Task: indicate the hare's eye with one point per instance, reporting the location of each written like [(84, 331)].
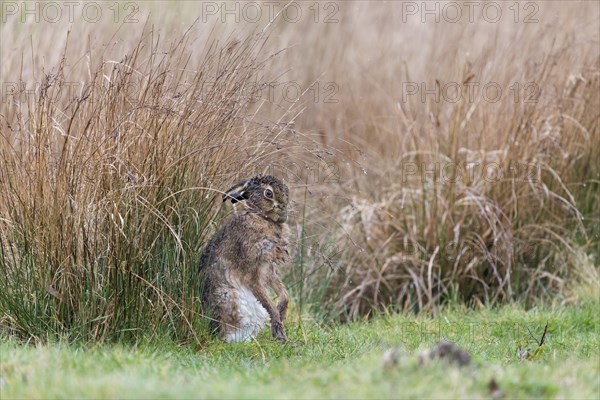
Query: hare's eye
[(268, 193)]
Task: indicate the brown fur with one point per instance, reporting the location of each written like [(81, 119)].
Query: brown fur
[(247, 251)]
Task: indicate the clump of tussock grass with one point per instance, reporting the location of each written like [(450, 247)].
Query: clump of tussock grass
[(106, 195), (407, 237)]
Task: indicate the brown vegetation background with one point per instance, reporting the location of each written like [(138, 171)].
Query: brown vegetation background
[(413, 185)]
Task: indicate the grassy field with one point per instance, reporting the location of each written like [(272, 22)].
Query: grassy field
[(340, 361), (411, 186), (444, 177)]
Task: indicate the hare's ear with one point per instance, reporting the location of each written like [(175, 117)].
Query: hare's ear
[(237, 192)]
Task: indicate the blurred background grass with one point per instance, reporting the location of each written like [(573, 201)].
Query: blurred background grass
[(413, 186)]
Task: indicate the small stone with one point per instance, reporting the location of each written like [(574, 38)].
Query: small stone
[(451, 353)]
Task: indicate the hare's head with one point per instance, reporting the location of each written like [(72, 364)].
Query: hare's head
[(265, 193)]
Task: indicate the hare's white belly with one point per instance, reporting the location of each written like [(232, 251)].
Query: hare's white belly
[(253, 316)]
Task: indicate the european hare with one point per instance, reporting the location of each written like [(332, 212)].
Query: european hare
[(240, 262)]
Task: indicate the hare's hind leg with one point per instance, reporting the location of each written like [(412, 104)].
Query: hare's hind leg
[(239, 314), (225, 312), (252, 317)]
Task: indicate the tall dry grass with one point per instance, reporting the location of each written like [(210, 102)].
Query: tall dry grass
[(476, 200), (108, 191)]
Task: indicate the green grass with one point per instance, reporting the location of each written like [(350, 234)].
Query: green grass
[(327, 361)]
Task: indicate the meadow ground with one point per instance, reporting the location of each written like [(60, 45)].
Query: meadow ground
[(340, 361), (438, 162)]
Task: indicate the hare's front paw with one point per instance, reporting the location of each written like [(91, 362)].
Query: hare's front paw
[(264, 248), (278, 331)]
